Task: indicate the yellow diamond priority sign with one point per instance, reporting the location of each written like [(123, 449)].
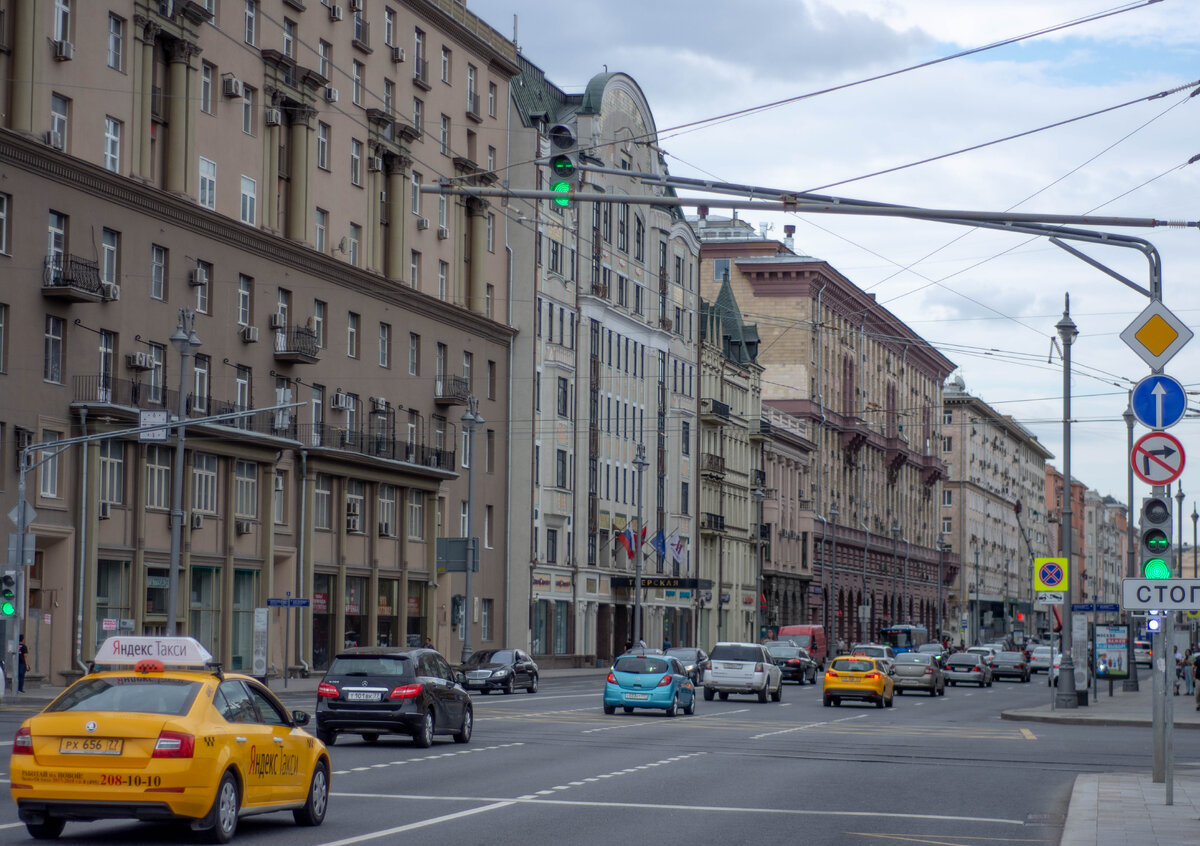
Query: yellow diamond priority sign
[(1156, 335)]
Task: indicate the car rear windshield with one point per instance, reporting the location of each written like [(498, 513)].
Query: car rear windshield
[(913, 658), (798, 639), (1010, 656), (371, 665), (735, 652), (868, 650), (136, 694), (785, 651), (642, 666), (490, 656), (850, 665), (965, 660)]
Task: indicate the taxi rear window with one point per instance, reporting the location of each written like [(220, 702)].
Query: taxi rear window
[(131, 694), (849, 665)]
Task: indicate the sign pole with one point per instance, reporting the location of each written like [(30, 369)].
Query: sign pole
[(287, 637)]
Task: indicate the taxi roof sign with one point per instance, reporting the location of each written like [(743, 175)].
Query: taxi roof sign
[(131, 649), (1156, 335)]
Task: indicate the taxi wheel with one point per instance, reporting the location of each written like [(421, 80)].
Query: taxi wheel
[(888, 702), (313, 812), (533, 684), (49, 829), (827, 700), (899, 691), (423, 737), (463, 735), (610, 709), (879, 701), (223, 817)]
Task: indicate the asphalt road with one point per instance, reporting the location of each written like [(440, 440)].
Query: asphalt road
[(551, 768)]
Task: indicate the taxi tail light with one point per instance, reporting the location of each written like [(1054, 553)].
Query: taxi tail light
[(612, 678), (664, 681), (872, 676), (325, 690), (830, 674), (174, 744), (23, 742), (406, 691)]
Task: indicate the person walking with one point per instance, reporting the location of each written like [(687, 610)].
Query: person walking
[(22, 663), (1189, 678)]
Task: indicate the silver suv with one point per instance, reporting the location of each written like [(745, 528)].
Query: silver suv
[(742, 668)]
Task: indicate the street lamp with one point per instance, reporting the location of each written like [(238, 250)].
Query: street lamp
[(1179, 511), (471, 421), (640, 463), (1195, 517), (759, 496), (895, 547), (185, 340), (1067, 332), (1131, 681), (941, 616), (831, 614)]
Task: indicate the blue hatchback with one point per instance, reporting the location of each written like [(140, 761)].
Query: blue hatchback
[(649, 681)]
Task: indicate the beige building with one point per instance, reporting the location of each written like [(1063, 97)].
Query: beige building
[(255, 167), (786, 518)]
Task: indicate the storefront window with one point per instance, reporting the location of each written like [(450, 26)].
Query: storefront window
[(388, 624), (356, 611), (245, 590), (541, 614), (322, 602), (112, 598), (157, 585), (561, 619), (416, 590), (205, 620)]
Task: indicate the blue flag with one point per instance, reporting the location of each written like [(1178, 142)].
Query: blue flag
[(660, 544)]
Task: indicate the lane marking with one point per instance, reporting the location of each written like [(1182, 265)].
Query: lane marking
[(810, 725), (643, 723), (400, 829), (1028, 734), (426, 758)]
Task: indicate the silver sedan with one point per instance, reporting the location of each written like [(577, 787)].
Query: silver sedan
[(919, 671), (969, 668)]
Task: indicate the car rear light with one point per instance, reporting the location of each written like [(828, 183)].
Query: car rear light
[(406, 691), (929, 671), (174, 744), (325, 690), (612, 678), (758, 668), (664, 681), (793, 662), (872, 676), (830, 674), (23, 742)]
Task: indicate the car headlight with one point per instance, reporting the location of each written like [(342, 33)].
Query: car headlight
[(499, 674)]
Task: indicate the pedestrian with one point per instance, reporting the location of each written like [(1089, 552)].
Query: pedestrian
[(1178, 669), (666, 644), (1189, 679), (428, 642), (1195, 671), (22, 663)]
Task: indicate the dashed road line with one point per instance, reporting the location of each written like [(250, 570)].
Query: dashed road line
[(426, 758), (627, 771), (808, 726), (683, 722)]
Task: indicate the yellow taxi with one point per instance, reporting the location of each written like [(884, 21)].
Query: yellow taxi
[(858, 677), (163, 734)]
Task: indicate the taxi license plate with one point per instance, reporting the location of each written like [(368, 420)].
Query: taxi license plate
[(90, 745), (852, 679), (637, 695), (362, 696)]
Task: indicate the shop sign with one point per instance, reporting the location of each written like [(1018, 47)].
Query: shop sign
[(414, 605), (320, 603), (541, 580), (562, 584), (352, 606)]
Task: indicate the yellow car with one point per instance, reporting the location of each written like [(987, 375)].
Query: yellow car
[(145, 742), (858, 677)]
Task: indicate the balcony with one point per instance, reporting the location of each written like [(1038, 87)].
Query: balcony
[(421, 73), (665, 324), (473, 107), (297, 345), (712, 465), (714, 410), (712, 523), (67, 277), (451, 390), (760, 429), (362, 33), (599, 289)]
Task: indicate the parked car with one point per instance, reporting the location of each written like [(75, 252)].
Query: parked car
[(500, 669), (374, 690), (969, 668), (1143, 652), (858, 677), (876, 650), (1010, 665), (1040, 660), (742, 668), (919, 671), (939, 652), (809, 637), (693, 659), (795, 663), (649, 681)]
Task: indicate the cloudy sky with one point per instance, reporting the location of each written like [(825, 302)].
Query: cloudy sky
[(988, 300)]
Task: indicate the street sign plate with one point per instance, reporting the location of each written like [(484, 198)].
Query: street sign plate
[(1051, 574), (1082, 607), (1161, 594), (1157, 458), (276, 602), (1107, 607), (1158, 401), (152, 418), (1156, 335), (1048, 598)]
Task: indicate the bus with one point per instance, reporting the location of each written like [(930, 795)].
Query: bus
[(904, 637)]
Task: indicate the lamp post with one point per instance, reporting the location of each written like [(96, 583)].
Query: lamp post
[(1067, 332), (759, 496), (471, 420), (976, 617), (184, 339), (832, 598), (1195, 517), (895, 611), (640, 463), (1179, 511), (1131, 681), (941, 616)]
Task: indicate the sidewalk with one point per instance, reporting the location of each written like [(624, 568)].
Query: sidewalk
[(1117, 809)]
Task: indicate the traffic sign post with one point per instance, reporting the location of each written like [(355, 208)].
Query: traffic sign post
[(287, 602), (1158, 401), (1157, 458)]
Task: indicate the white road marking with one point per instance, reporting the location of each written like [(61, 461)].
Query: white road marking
[(400, 829), (426, 758), (11, 825), (808, 726), (654, 723)]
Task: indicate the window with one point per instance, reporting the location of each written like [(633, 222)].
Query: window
[(158, 477), (415, 192), (446, 56), (245, 489), (110, 247), (416, 514), (486, 614), (551, 546), (414, 269), (323, 145), (947, 525), (488, 522), (491, 103), (251, 21), (204, 483), (443, 279), (684, 493), (947, 417), (241, 389), (443, 207), (158, 272), (116, 42), (355, 242), (49, 467), (387, 511), (385, 345), (472, 97), (356, 495), (247, 110), (444, 137), (60, 108), (356, 149), (245, 299), (489, 451), (325, 59), (200, 370), (389, 101), (208, 183), (249, 207), (322, 501), (352, 335), (947, 498), (356, 78), (62, 20), (322, 229), (203, 290), (491, 233), (414, 354), (4, 207), (491, 158), (419, 118), (564, 394), (948, 444), (318, 322), (491, 379), (389, 27), (560, 468), (686, 437), (112, 471), (468, 363), (207, 72), (289, 38)]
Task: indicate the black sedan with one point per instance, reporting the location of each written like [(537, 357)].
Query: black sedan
[(794, 663), (1011, 665), (375, 690), (500, 669), (693, 659)]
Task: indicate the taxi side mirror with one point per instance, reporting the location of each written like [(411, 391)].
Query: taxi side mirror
[(300, 718)]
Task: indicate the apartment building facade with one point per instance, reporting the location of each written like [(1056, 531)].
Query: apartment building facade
[(254, 172), (786, 518)]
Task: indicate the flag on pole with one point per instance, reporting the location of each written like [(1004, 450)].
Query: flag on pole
[(677, 547), (660, 544), (626, 539)]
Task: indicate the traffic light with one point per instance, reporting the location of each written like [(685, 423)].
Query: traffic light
[(1156, 537), (8, 594), (564, 176)]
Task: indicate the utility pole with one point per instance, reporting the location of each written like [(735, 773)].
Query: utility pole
[(1131, 681), (640, 462), (1066, 697), (471, 420), (833, 609), (184, 339)]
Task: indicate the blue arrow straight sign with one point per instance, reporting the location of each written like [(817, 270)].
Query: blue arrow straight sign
[(1158, 401)]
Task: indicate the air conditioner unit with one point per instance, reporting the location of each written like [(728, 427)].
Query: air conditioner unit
[(353, 522), (379, 403), (375, 164), (138, 361), (274, 117), (356, 5), (278, 320), (64, 51), (352, 509), (397, 54), (198, 276), (103, 511), (336, 13), (279, 483), (422, 223), (231, 86), (249, 334), (54, 139), (443, 233), (339, 401), (197, 520), (242, 527), (331, 94), (111, 291)]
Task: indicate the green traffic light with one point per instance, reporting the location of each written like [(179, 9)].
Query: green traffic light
[(1157, 540), (563, 189), (1156, 568), (7, 609)]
